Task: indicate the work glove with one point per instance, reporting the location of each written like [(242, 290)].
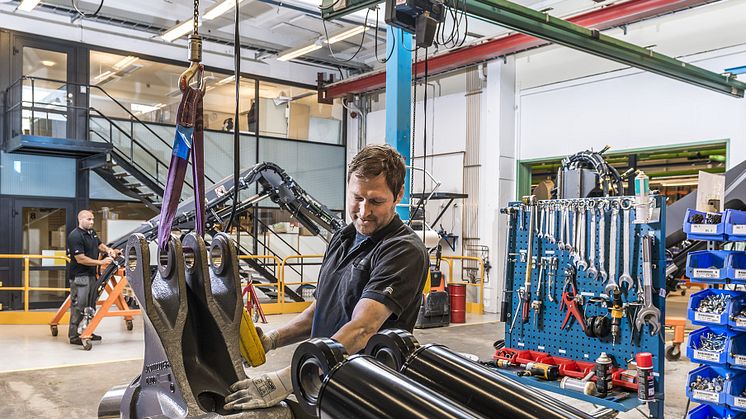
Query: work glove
[(269, 341), (260, 392)]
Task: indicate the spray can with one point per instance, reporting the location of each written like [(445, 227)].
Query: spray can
[(645, 377), (603, 374), (642, 198)]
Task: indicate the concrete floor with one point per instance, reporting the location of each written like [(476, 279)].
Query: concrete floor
[(42, 376)]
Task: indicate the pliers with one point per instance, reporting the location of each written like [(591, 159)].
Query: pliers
[(572, 301)]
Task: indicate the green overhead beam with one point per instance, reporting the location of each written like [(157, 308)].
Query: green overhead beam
[(559, 31)]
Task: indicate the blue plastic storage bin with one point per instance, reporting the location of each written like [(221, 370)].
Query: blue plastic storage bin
[(735, 399), (698, 231), (707, 411), (712, 320), (736, 267), (716, 358), (735, 224), (707, 266), (708, 372), (737, 352), (733, 323)]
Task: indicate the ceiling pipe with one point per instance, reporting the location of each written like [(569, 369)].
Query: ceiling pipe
[(604, 18)]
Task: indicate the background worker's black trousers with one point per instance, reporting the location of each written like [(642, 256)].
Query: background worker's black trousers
[(80, 289)]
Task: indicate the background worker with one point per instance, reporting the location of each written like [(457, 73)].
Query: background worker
[(83, 247), (371, 277)]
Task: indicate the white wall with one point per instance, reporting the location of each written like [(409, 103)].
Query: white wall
[(631, 109)]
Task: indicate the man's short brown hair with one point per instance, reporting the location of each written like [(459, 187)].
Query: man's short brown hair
[(373, 160)]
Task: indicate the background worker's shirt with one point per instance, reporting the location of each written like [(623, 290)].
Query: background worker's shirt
[(85, 242), (389, 267)]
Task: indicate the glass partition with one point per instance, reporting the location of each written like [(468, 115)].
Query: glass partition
[(150, 90), (294, 113)]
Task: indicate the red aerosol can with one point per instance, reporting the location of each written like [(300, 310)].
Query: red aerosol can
[(645, 377)]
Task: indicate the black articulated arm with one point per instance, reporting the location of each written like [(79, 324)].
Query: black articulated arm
[(272, 183)]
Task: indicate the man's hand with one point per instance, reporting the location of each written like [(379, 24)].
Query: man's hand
[(269, 341), (113, 253), (105, 261), (259, 392)]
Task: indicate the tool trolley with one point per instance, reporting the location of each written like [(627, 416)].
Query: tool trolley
[(719, 345), (583, 278)]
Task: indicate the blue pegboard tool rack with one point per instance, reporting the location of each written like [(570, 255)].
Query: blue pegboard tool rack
[(572, 342)]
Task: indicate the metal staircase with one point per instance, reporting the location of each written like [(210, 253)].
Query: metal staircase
[(133, 158)]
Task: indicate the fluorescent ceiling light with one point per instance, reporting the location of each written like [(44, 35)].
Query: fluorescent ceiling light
[(28, 5), (220, 9), (125, 62), (179, 30), (226, 80), (138, 108), (103, 76), (47, 63), (298, 52), (346, 34)]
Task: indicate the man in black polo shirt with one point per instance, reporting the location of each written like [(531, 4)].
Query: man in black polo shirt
[(83, 247), (371, 278)]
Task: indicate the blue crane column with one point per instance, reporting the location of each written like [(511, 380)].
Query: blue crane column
[(399, 104)]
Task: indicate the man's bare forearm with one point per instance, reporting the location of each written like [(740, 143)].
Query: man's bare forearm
[(298, 329), (354, 336), (85, 260)]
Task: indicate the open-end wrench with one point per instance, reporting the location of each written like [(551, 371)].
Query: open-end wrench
[(611, 284), (553, 265), (568, 238), (592, 272), (575, 232), (561, 242), (580, 262), (542, 223), (649, 313), (602, 244), (626, 278), (552, 211)]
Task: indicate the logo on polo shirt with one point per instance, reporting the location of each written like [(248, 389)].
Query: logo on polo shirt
[(388, 290)]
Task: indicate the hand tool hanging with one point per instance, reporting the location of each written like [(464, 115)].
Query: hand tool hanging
[(187, 140)]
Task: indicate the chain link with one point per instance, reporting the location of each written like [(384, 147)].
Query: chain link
[(196, 17)]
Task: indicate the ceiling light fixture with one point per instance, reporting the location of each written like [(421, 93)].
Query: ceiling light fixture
[(220, 9), (286, 56), (47, 63), (28, 5), (226, 80), (125, 62), (346, 34), (179, 30), (103, 76)]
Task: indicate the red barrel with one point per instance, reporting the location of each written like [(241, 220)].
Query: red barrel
[(458, 302)]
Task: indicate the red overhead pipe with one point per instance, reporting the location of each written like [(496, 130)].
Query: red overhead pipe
[(604, 18)]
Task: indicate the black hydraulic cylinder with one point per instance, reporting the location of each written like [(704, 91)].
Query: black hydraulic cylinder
[(361, 387), (469, 383)]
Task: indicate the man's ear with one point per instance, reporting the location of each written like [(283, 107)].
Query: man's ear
[(400, 195)]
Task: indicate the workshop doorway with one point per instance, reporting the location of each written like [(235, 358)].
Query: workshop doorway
[(672, 170), (40, 227)]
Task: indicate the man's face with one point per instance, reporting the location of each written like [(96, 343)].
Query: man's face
[(85, 221), (370, 203)]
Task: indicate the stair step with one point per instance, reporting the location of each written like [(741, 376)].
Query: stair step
[(121, 175), (133, 185)]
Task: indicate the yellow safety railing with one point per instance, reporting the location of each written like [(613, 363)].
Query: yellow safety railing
[(26, 288), (281, 307), (470, 307), (282, 272)]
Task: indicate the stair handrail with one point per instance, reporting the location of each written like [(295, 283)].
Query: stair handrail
[(90, 86)]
